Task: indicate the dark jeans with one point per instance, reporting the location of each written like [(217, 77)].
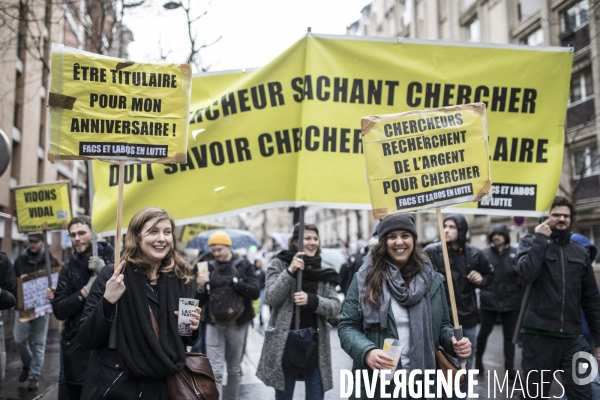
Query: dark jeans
[(550, 353), (63, 393), (509, 321), (74, 391), (312, 379)]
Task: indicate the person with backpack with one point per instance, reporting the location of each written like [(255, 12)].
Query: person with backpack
[(470, 270), (502, 298), (226, 297)]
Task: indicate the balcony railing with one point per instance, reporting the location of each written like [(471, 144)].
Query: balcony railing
[(581, 114), (578, 39)]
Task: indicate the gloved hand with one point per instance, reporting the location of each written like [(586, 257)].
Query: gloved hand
[(95, 264), (88, 287)]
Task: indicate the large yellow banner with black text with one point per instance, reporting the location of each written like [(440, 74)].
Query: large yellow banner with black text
[(289, 133)]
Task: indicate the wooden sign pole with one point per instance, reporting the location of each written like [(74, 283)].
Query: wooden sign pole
[(112, 339), (47, 254), (458, 334), (90, 181)]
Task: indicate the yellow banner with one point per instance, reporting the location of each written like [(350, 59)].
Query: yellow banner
[(425, 159), (110, 109), (43, 207), (289, 133), (190, 231)]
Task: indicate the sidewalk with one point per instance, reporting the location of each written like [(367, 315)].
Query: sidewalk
[(11, 388)]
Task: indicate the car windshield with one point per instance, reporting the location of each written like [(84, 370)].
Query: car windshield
[(333, 258)]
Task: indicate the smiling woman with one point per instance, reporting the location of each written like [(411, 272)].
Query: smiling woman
[(147, 284), (287, 353), (400, 297)]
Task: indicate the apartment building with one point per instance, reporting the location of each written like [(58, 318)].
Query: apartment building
[(572, 23), (28, 29)]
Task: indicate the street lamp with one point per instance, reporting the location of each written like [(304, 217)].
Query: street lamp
[(171, 5)]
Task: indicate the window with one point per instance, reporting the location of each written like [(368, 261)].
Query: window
[(586, 162), (534, 39), (527, 8), (473, 32), (581, 87), (467, 3), (406, 13), (574, 17)]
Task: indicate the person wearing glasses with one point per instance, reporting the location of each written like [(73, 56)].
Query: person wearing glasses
[(30, 336), (562, 281), (68, 300)]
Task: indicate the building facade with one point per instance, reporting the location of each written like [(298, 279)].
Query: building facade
[(572, 23), (28, 29)]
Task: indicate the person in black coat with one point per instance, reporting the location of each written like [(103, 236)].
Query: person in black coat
[(225, 339), (501, 298), (68, 299), (30, 336), (470, 270), (147, 284), (8, 283), (562, 282)]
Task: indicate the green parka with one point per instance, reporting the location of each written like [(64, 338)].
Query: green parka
[(357, 342)]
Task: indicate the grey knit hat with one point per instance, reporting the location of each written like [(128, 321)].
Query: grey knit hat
[(403, 222)]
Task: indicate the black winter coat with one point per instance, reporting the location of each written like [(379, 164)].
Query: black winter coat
[(248, 287), (562, 281), (68, 306), (105, 378), (29, 262), (505, 293), (8, 283), (466, 298)]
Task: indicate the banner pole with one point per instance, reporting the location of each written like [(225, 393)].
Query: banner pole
[(119, 213), (299, 272), (47, 255), (112, 339), (90, 182), (457, 328)]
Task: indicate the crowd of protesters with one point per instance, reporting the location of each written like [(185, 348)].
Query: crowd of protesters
[(393, 290)]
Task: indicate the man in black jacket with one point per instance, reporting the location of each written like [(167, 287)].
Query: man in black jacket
[(74, 284), (562, 281), (8, 283), (225, 340), (470, 270), (501, 298), (30, 336)]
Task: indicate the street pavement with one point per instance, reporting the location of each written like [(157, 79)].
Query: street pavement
[(251, 388)]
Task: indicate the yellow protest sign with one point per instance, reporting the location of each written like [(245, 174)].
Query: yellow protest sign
[(190, 231), (289, 133), (425, 159), (111, 109), (43, 207)]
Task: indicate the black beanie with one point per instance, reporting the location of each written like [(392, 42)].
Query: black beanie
[(404, 222)]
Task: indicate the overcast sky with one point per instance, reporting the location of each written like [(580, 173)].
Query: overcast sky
[(253, 31)]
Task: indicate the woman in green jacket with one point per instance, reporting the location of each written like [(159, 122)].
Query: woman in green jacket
[(397, 294)]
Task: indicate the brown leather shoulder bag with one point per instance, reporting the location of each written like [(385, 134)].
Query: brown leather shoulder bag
[(196, 381)]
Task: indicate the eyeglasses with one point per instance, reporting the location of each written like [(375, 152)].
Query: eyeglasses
[(558, 215)]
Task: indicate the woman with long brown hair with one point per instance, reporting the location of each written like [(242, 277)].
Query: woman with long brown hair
[(147, 284), (396, 294), (288, 353)]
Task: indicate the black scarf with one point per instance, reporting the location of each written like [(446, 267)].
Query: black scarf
[(141, 353), (312, 268)]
